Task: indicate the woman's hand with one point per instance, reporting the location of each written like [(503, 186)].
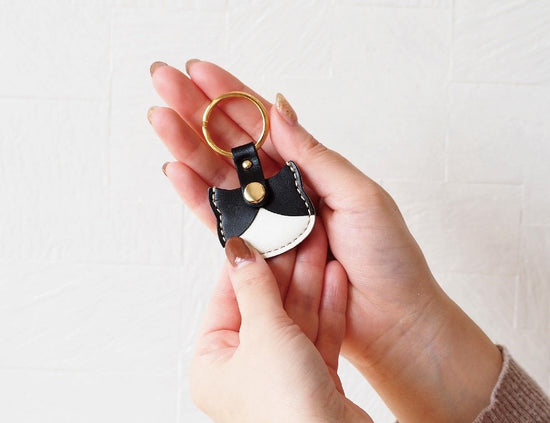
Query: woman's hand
[(428, 360), (254, 364)]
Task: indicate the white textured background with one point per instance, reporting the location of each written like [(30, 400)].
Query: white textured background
[(104, 274)]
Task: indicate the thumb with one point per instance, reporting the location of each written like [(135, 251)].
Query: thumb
[(327, 172), (253, 281)]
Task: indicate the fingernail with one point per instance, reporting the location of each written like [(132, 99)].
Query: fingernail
[(155, 66), (237, 252), (285, 109), (189, 63), (164, 166), (150, 113)]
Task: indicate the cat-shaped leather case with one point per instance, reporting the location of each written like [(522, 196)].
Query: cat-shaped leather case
[(273, 215)]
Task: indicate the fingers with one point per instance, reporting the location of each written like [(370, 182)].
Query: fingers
[(304, 293), (254, 284), (214, 81), (326, 171), (187, 147), (354, 413), (332, 314), (282, 267), (182, 95), (219, 331), (222, 312), (193, 191), (189, 101), (333, 177)]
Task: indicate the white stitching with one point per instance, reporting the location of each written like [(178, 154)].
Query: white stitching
[(301, 196), (219, 211), (308, 212)]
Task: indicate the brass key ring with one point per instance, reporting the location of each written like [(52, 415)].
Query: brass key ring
[(206, 115)]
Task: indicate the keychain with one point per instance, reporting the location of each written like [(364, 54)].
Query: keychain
[(273, 215)]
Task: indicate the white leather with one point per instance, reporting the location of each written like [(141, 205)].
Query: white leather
[(272, 234)]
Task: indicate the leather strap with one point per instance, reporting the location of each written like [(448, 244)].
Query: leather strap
[(254, 173)]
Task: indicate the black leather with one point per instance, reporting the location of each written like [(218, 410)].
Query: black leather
[(233, 214), (286, 196), (252, 174)]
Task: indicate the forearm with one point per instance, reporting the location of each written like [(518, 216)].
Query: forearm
[(443, 368)]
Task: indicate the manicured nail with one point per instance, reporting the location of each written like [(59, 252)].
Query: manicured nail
[(285, 109), (189, 63), (164, 166), (155, 66), (237, 252), (150, 113)]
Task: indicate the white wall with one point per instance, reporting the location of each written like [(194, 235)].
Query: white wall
[(104, 274)]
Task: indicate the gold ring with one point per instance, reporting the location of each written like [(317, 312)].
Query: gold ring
[(206, 115)]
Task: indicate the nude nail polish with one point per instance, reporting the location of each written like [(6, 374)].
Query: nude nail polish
[(155, 66), (285, 109), (238, 252), (189, 63), (164, 166), (150, 114)]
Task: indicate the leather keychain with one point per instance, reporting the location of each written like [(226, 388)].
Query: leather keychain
[(273, 215)]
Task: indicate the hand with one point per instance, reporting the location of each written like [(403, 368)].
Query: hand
[(254, 364), (426, 358), (198, 167)]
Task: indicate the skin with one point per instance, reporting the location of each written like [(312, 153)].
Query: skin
[(424, 356), (239, 374)]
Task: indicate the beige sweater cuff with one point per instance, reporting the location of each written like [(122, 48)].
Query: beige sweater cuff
[(516, 397)]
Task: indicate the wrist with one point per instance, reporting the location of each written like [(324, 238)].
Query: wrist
[(467, 366), (441, 368)]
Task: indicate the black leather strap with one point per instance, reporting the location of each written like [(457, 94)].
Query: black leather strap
[(254, 173)]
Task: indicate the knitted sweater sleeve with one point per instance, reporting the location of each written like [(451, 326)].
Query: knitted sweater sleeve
[(516, 397)]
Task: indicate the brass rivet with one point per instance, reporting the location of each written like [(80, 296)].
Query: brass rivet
[(254, 192), (246, 164)]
